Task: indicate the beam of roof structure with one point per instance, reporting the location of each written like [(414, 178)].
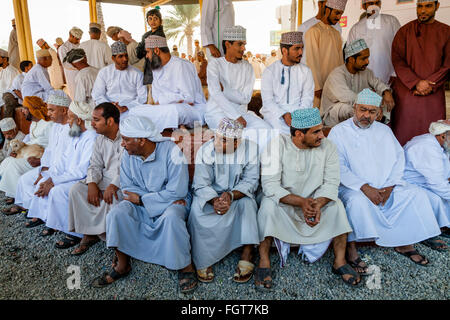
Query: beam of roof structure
[(146, 3)]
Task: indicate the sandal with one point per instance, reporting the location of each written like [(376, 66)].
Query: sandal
[(244, 271), (83, 247), (204, 276), (435, 244), (47, 232), (260, 283), (33, 224), (102, 281), (347, 269), (67, 242), (356, 264), (10, 201), (446, 233), (187, 281), (12, 210), (412, 253)]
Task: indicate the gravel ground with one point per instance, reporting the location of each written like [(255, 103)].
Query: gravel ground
[(31, 268)]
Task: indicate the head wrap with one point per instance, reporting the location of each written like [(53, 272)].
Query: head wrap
[(118, 47), (126, 35), (336, 4), (229, 128), (140, 127), (94, 25), (75, 55), (59, 42), (112, 31), (306, 118), (235, 33), (59, 98), (7, 124), (40, 42), (83, 111), (291, 38), (436, 128), (355, 47), (155, 42), (3, 53), (36, 106), (368, 97), (76, 32), (42, 53), (365, 1), (422, 1)]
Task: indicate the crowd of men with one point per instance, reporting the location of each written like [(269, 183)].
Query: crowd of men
[(111, 173)]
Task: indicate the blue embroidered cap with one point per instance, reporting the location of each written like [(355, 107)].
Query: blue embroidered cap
[(368, 97), (306, 118), (355, 47)]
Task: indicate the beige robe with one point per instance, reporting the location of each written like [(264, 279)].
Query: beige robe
[(55, 71), (104, 169), (323, 45), (314, 173), (13, 49), (133, 60)]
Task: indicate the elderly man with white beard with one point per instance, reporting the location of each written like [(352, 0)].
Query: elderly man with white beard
[(381, 206), (50, 202)]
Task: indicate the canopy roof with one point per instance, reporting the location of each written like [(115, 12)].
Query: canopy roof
[(144, 3)]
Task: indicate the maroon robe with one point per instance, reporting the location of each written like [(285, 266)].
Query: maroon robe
[(419, 52)]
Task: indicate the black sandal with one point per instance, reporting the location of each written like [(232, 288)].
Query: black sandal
[(67, 242), (260, 283), (412, 253), (33, 224), (12, 210), (435, 244), (347, 269), (357, 264), (47, 232), (102, 282), (188, 285), (10, 201)]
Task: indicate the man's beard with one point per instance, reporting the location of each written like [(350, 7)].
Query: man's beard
[(29, 117), (75, 130), (155, 62), (362, 126)]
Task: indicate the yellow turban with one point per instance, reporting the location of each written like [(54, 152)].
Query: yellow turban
[(37, 107)]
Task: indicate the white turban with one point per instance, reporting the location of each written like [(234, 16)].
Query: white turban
[(140, 127), (83, 111), (7, 124), (439, 127), (76, 32)]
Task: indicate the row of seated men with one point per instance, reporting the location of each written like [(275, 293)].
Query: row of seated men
[(123, 182)]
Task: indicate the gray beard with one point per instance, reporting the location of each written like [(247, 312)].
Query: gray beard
[(75, 131)]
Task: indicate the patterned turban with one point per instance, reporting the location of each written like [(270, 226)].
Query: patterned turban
[(40, 42), (83, 111), (355, 47), (59, 98), (37, 107), (306, 118), (59, 41), (291, 38), (436, 128), (336, 4), (76, 32), (118, 47), (369, 97), (140, 127), (155, 42), (422, 1), (235, 33), (75, 55), (43, 53), (94, 25), (112, 31), (229, 128)]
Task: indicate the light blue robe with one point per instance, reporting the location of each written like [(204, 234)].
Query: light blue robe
[(155, 232), (214, 236)]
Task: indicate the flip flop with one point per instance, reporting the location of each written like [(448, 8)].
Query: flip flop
[(101, 282), (347, 269), (357, 264), (204, 276), (47, 232), (12, 210), (260, 283), (435, 244), (10, 201), (244, 271), (190, 278), (412, 253), (67, 242), (83, 247), (33, 224)]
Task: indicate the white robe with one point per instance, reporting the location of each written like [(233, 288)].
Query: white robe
[(373, 156), (378, 34), (305, 27), (123, 86), (216, 16), (84, 83), (17, 85), (69, 70), (175, 81), (7, 76), (72, 167), (12, 168), (98, 53), (37, 83), (237, 80), (297, 92)]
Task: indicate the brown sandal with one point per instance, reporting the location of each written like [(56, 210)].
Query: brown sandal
[(244, 271), (204, 276)]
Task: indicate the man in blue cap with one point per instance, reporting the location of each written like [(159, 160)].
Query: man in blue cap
[(300, 180)]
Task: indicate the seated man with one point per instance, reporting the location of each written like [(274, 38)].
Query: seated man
[(223, 212), (150, 223), (230, 86), (85, 78), (176, 89), (286, 84), (92, 198), (13, 98), (119, 83), (345, 82), (300, 179), (10, 132), (428, 166), (11, 168), (380, 205), (58, 107), (51, 199), (37, 80)]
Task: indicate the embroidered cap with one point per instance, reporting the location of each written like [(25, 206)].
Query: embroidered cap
[(355, 47), (306, 118), (118, 47), (59, 98), (369, 97), (235, 33), (229, 128), (291, 38), (336, 4), (155, 42)]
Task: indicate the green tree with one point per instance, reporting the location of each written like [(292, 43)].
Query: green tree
[(181, 23)]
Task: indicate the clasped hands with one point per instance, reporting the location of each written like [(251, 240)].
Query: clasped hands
[(95, 194), (377, 196), (222, 204), (423, 88)]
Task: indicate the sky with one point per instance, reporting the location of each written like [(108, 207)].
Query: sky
[(54, 18)]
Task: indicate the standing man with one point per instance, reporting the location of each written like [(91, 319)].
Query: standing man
[(216, 16), (55, 70), (113, 32), (324, 46), (13, 46), (70, 72), (98, 52), (287, 84), (421, 59), (305, 26), (7, 75), (378, 31), (37, 81)]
